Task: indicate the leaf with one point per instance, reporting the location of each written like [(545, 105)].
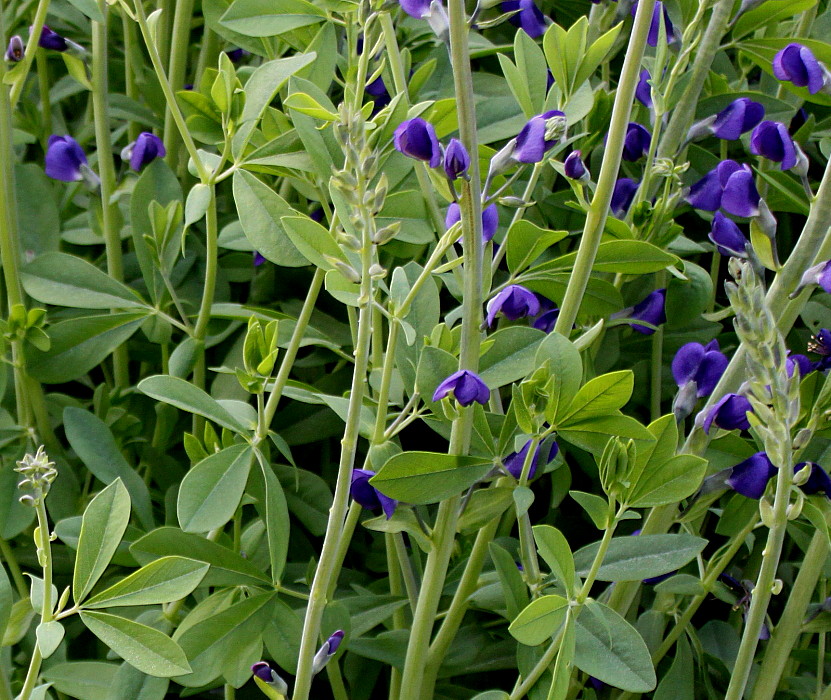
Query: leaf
[(513, 587), (227, 568), (95, 445), (262, 18), (566, 369), (428, 477), (625, 257), (86, 680), (49, 637), (540, 620), (554, 549), (6, 601), (636, 557), (147, 649), (511, 356), (662, 484), (260, 209), (102, 527), (306, 104), (211, 491), (161, 581), (526, 242), (67, 280), (593, 434), (274, 511), (599, 397), (197, 203), (596, 507), (90, 9), (679, 682), (313, 241), (748, 22), (188, 397), (595, 55), (610, 649)]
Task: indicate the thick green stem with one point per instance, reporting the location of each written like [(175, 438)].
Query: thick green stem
[(787, 631), (128, 31), (596, 218), (176, 72), (106, 171), (43, 93), (763, 589)]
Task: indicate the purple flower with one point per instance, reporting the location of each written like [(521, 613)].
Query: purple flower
[(417, 139), (750, 477), (65, 159), (729, 186), (651, 310), (574, 167), (729, 413), (818, 481), (819, 275), (821, 345), (772, 141), (327, 651), (456, 160), (636, 142), (146, 148), (52, 40), (623, 195), (529, 18), (367, 495), (800, 363), (259, 258), (431, 10), (490, 219), (546, 321), (236, 55), (514, 461), (643, 91), (262, 670), (728, 237), (466, 387), (700, 364), (797, 64), (15, 50), (513, 302), (654, 27), (739, 116), (377, 88), (416, 8), (535, 138)]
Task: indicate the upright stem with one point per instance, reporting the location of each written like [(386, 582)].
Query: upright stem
[(128, 31), (596, 217), (43, 92), (31, 48), (176, 73), (414, 685), (106, 171), (790, 623)]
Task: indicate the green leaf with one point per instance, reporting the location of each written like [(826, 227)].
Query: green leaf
[(622, 256), (49, 637), (511, 356), (86, 680), (211, 491), (80, 344), (771, 12), (227, 568), (161, 581), (428, 477), (274, 511), (610, 649), (596, 507), (197, 203), (593, 434), (263, 18), (147, 649), (308, 105), (601, 396), (6, 601), (483, 506), (513, 587), (103, 525), (540, 620), (566, 370), (313, 241), (553, 548), (188, 397), (90, 9), (526, 242), (595, 55), (20, 619), (260, 210), (679, 682), (66, 280), (636, 557), (95, 445)]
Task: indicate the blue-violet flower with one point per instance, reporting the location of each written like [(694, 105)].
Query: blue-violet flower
[(466, 387), (417, 139), (513, 302)]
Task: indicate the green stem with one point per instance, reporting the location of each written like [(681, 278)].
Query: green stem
[(541, 666), (596, 217), (177, 69), (657, 366), (14, 569), (291, 351), (106, 171), (410, 583), (211, 253), (762, 591), (787, 631), (130, 84), (598, 558), (43, 92), (31, 48)]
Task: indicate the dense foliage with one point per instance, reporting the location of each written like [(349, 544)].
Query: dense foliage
[(410, 350)]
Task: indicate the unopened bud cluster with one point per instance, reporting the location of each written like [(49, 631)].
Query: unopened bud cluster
[(38, 474)]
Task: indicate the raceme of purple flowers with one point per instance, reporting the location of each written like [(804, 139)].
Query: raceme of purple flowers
[(727, 236), (65, 159), (367, 495), (729, 413), (490, 219), (466, 387), (527, 17), (514, 461), (699, 364), (797, 64), (146, 148), (513, 302), (729, 186)]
